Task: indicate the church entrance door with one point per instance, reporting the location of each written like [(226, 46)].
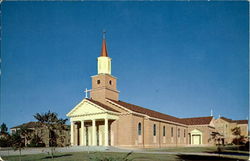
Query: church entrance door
[(196, 139)]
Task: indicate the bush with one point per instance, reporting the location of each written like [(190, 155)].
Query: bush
[(36, 145), (245, 147), (4, 142), (239, 141), (36, 141)]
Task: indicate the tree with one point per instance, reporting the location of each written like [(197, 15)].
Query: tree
[(3, 129), (36, 141), (51, 121), (217, 138), (239, 139), (17, 142), (4, 136), (26, 133)]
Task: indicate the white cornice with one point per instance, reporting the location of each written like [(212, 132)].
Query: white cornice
[(105, 74), (86, 100)]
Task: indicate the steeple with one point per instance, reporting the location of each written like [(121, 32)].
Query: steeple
[(104, 48), (104, 62), (104, 84)]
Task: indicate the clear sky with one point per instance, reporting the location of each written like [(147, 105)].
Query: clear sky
[(179, 58)]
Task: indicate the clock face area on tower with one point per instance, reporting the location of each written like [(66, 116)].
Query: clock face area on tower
[(104, 80)]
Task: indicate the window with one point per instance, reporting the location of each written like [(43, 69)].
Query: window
[(172, 131), (154, 130), (98, 81), (110, 82), (179, 133), (184, 133), (164, 131), (139, 128), (13, 131)]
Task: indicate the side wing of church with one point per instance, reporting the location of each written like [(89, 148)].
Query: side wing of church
[(104, 120)]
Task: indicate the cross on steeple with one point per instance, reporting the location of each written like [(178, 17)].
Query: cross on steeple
[(104, 34), (86, 92)]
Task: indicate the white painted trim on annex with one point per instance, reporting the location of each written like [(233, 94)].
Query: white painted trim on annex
[(196, 132)]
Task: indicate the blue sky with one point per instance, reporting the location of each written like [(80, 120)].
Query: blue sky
[(179, 58)]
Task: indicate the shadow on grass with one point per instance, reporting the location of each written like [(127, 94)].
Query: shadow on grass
[(205, 158), (57, 156), (238, 153)]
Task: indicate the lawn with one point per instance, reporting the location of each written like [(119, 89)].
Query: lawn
[(84, 156), (185, 149), (209, 149)]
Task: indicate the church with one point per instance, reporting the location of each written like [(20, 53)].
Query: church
[(104, 120)]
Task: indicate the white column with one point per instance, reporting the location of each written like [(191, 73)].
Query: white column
[(106, 133), (93, 133), (82, 133), (72, 133), (191, 139)]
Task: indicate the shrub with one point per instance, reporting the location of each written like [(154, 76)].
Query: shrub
[(245, 147), (4, 142), (36, 141), (36, 145)]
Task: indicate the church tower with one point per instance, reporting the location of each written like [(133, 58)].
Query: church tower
[(104, 84)]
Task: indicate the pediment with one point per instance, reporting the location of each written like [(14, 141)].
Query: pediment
[(212, 123), (85, 108), (196, 131)]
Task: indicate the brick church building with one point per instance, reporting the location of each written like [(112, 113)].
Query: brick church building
[(104, 120)]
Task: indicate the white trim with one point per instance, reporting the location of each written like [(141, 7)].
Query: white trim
[(86, 100), (98, 88), (104, 74)]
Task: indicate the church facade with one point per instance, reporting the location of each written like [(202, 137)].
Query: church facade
[(104, 120)]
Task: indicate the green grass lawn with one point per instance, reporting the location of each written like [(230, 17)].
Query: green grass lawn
[(209, 149), (84, 156), (185, 149)]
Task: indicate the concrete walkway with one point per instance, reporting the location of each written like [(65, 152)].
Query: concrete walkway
[(9, 151)]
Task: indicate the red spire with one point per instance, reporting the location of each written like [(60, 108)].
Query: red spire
[(104, 48)]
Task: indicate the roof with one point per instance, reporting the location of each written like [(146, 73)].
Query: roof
[(102, 105), (148, 112), (198, 120), (226, 119), (28, 125), (235, 121), (241, 121)]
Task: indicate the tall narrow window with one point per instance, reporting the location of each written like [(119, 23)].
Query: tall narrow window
[(139, 128), (164, 131), (154, 130), (184, 133), (178, 133), (172, 131)]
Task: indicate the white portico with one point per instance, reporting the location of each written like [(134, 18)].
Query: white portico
[(90, 124)]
